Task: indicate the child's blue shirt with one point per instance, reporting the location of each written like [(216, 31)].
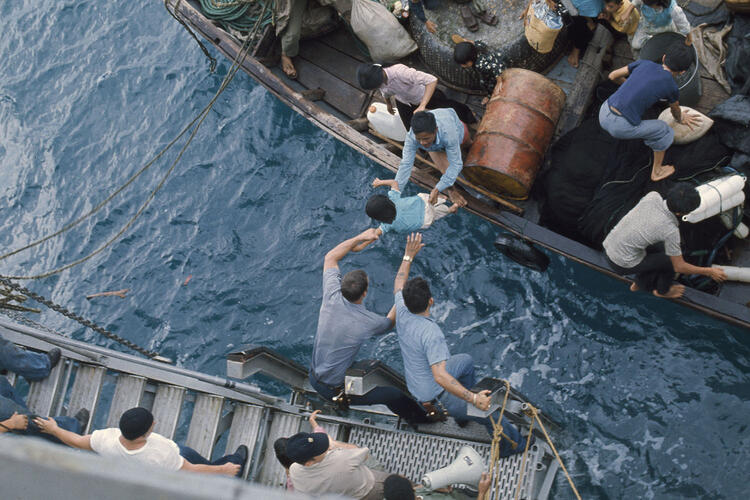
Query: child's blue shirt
[(648, 82), (409, 213)]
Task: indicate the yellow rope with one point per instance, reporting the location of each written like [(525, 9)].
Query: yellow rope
[(198, 120), (554, 450), (497, 436)]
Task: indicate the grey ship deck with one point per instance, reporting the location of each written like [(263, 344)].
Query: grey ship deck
[(220, 414)]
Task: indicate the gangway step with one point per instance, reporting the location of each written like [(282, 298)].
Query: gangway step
[(167, 408), (42, 394), (86, 390), (128, 394), (282, 425), (204, 424), (246, 424)]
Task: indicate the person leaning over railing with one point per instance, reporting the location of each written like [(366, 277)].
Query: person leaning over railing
[(135, 440)]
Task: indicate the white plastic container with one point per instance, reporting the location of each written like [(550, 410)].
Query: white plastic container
[(385, 123), (717, 196), (736, 273), (741, 231)]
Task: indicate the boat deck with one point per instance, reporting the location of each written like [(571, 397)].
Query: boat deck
[(326, 93), (215, 415)]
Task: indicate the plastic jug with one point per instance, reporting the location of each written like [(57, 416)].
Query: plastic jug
[(736, 273), (385, 123)]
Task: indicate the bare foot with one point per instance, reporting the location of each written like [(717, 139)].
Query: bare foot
[(674, 292), (573, 57), (453, 208), (661, 173), (634, 287), (288, 67)]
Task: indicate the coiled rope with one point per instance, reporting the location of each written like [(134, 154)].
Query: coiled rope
[(498, 435), (239, 15)]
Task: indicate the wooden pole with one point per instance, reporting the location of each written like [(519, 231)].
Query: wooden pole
[(511, 206)]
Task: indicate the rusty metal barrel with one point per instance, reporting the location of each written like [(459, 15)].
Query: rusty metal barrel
[(514, 133)]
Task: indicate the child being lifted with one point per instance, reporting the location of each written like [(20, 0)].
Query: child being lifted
[(405, 214)]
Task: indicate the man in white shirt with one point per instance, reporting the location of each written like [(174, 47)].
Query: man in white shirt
[(135, 439), (318, 470)]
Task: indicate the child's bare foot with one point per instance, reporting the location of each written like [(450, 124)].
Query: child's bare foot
[(674, 292), (573, 57), (453, 208), (634, 287), (288, 67), (661, 173)]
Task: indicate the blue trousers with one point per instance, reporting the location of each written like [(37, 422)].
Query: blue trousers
[(655, 133), (67, 423), (399, 403), (461, 367), (30, 365), (196, 458)]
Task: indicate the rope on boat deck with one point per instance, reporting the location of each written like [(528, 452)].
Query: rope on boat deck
[(498, 435), (212, 59), (195, 124)]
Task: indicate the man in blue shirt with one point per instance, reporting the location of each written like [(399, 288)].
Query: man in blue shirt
[(434, 377), (344, 324), (441, 133), (647, 83)]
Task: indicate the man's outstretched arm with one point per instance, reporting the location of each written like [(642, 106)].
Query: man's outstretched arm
[(339, 251), (413, 246), (49, 426)]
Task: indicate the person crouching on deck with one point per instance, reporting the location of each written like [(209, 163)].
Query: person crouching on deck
[(413, 91), (404, 214), (487, 63), (648, 82), (646, 242), (442, 134)]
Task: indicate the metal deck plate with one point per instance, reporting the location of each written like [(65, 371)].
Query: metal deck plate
[(412, 455)]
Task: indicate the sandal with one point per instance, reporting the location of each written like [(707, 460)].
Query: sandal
[(469, 20)]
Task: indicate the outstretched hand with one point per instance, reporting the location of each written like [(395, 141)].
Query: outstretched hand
[(690, 120), (370, 234), (717, 274), (413, 244), (313, 421), (46, 425)]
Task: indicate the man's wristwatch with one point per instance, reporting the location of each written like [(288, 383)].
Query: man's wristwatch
[(407, 258)]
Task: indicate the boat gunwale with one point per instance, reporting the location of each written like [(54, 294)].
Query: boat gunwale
[(712, 305)]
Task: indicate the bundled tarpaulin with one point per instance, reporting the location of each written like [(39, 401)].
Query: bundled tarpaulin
[(593, 180), (738, 56), (378, 29), (711, 47), (732, 123)]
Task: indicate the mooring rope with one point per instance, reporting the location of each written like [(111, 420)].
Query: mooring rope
[(197, 121)]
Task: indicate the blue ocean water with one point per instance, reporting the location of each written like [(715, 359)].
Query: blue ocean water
[(653, 398)]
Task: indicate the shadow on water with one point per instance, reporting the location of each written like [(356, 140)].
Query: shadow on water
[(652, 396)]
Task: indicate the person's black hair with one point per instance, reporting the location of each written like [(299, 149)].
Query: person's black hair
[(682, 198), (417, 295), (618, 2), (135, 423), (354, 285), (679, 56), (397, 487), (423, 121), (381, 208), (279, 448), (657, 3), (464, 52), (370, 76)]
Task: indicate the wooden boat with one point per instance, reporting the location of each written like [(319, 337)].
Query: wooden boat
[(327, 94)]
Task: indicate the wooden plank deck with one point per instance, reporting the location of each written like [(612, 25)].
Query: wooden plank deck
[(42, 394), (86, 390), (246, 424), (204, 424), (283, 425)]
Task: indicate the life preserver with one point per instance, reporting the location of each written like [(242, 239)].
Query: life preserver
[(522, 252)]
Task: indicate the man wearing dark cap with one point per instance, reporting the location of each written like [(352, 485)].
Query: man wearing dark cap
[(134, 440), (317, 470)]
